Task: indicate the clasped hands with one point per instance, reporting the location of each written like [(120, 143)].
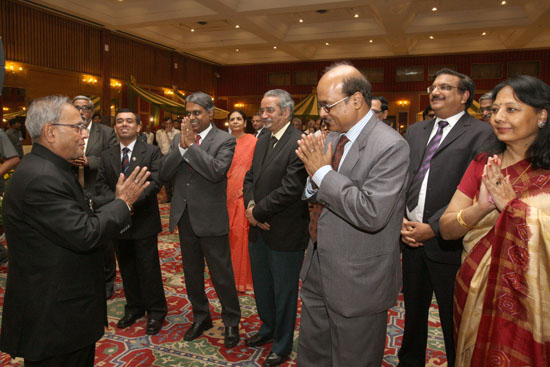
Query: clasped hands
[(311, 151), (253, 222), (496, 191), (130, 188), (187, 135), (80, 162)]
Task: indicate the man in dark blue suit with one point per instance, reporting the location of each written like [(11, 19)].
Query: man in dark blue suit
[(136, 248)]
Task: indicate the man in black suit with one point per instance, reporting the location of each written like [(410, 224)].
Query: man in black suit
[(273, 189), (198, 161), (100, 138), (441, 150), (54, 307), (136, 248)]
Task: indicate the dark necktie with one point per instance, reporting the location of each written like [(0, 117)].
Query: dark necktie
[(416, 184), (318, 208), (272, 141), (125, 160)]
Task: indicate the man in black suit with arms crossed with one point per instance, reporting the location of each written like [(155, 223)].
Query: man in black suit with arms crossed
[(136, 247)]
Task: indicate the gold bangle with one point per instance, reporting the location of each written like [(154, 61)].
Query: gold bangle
[(461, 221)]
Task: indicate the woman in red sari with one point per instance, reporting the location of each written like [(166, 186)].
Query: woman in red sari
[(238, 224), (502, 208)]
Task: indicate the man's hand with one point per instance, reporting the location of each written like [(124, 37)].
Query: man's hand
[(310, 151), (80, 162), (187, 136), (415, 233), (129, 189), (253, 222)]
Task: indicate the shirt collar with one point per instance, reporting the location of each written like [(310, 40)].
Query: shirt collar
[(451, 120), (129, 146), (205, 132), (279, 134), (356, 129)]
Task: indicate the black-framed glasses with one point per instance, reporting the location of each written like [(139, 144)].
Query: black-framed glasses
[(327, 108), (194, 113), (83, 108), (79, 127), (442, 87)]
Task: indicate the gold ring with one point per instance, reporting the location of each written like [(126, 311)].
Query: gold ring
[(311, 150), (136, 182)]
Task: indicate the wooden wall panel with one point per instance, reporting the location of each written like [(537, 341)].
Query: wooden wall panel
[(39, 38)]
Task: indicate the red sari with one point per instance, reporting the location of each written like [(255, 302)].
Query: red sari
[(502, 289), (238, 224)]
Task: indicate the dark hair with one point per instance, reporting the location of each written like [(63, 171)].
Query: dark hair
[(168, 118), (383, 102), (426, 110), (354, 84), (465, 83), (243, 115), (96, 114), (127, 110), (535, 93)]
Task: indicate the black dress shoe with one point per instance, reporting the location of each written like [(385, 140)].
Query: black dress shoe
[(273, 359), (196, 330), (256, 340), (153, 326), (128, 319), (231, 337)]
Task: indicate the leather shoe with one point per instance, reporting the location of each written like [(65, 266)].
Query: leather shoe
[(273, 359), (196, 330), (256, 340), (153, 326), (231, 337), (128, 319)]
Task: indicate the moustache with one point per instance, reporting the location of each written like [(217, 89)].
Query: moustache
[(194, 121)]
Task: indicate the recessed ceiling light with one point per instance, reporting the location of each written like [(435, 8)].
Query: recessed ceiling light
[(503, 2), (237, 26), (120, 1), (192, 29), (274, 47), (370, 41), (326, 43), (237, 49), (434, 8), (301, 20), (484, 34), (431, 37), (356, 16)]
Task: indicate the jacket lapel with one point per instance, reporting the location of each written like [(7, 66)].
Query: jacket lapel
[(352, 157), (116, 160), (457, 130), (278, 147), (92, 137), (137, 157)]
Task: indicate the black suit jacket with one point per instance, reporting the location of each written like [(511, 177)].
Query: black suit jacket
[(276, 185), (146, 217), (447, 167), (101, 138), (55, 291)]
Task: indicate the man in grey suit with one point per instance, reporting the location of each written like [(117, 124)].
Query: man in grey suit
[(198, 161), (441, 150), (352, 274), (100, 138)]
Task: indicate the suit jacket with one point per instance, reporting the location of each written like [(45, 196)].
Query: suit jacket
[(200, 184), (101, 138), (55, 291), (146, 217), (468, 137), (276, 185), (358, 229)]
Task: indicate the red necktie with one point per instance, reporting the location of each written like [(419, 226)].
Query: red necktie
[(198, 139), (316, 212)]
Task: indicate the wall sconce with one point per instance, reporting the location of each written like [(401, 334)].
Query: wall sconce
[(88, 79), (115, 83), (13, 68), (168, 92), (5, 109), (239, 105), (403, 103)]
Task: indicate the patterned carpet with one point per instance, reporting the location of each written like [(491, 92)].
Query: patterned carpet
[(132, 348)]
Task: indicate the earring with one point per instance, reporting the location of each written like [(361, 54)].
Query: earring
[(541, 124)]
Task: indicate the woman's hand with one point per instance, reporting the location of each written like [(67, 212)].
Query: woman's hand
[(498, 186)]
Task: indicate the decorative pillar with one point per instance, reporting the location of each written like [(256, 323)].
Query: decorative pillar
[(106, 73)]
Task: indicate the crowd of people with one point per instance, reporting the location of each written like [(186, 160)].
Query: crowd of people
[(458, 207)]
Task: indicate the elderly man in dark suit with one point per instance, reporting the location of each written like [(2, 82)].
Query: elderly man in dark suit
[(54, 307), (198, 161), (278, 234), (136, 248), (352, 273), (100, 138), (441, 150)]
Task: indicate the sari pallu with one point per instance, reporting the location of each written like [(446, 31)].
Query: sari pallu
[(502, 290)]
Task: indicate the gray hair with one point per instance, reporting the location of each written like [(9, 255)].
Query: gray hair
[(202, 99), (42, 111), (285, 100), (84, 98), (488, 95)]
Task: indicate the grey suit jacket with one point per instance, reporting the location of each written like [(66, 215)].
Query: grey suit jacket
[(468, 137), (101, 138), (358, 233), (200, 184)]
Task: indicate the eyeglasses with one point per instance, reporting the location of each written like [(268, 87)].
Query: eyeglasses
[(194, 113), (79, 127), (83, 108), (442, 87), (327, 108)]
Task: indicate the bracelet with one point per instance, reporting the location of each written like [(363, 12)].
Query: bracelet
[(461, 221)]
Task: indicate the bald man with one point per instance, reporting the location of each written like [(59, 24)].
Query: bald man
[(351, 274)]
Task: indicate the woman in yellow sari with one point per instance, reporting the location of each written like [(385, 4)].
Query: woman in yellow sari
[(502, 208)]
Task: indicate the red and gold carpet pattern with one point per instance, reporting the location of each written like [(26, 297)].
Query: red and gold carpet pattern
[(132, 348)]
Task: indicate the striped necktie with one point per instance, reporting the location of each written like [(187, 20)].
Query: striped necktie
[(125, 160)]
